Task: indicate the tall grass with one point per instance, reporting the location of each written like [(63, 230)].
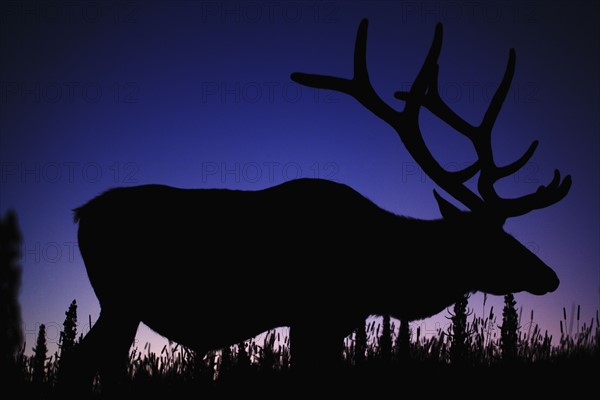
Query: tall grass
[(269, 356)]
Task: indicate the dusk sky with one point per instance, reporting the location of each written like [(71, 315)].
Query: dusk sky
[(197, 94)]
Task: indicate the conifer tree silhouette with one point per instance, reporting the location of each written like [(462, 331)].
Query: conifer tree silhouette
[(243, 360), (385, 340), (459, 334), (68, 336), (360, 344), (225, 362), (39, 357), (509, 329), (403, 341), (10, 280)]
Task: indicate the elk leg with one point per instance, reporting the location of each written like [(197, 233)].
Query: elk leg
[(109, 338), (78, 368), (104, 349), (116, 333), (315, 352)]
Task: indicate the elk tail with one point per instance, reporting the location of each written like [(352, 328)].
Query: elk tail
[(77, 214)]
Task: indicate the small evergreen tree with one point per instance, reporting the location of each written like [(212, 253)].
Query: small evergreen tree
[(68, 335), (385, 340), (39, 357), (360, 344), (243, 359), (225, 362), (403, 341), (459, 334), (10, 280), (509, 329)]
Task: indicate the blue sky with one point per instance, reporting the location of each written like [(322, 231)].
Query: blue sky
[(197, 94)]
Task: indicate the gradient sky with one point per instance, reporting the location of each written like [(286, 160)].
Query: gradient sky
[(197, 94)]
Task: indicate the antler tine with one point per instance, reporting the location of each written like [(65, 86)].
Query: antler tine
[(491, 173), (405, 122), (359, 86), (431, 100), (543, 197), (483, 138), (423, 88), (480, 136)]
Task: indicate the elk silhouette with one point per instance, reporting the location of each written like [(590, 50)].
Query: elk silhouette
[(237, 263)]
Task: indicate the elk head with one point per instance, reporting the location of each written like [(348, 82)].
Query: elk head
[(518, 268)]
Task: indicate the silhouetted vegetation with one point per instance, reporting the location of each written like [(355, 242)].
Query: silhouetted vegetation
[(68, 336), (357, 350), (10, 281), (459, 334), (403, 340), (470, 347), (509, 330), (11, 336), (385, 340), (39, 358)]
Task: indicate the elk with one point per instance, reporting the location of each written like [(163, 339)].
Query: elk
[(237, 263)]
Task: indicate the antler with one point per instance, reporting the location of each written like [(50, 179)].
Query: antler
[(424, 93)]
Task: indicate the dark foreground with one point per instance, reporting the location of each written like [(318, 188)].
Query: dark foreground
[(571, 378)]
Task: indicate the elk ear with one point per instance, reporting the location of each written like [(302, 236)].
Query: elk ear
[(447, 209)]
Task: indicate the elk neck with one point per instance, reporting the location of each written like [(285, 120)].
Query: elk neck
[(431, 268)]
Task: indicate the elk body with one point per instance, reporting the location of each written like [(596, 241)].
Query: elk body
[(237, 263)]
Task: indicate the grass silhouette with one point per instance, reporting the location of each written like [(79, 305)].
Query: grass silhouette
[(261, 365)]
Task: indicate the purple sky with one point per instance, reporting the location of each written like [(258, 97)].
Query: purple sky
[(197, 94)]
